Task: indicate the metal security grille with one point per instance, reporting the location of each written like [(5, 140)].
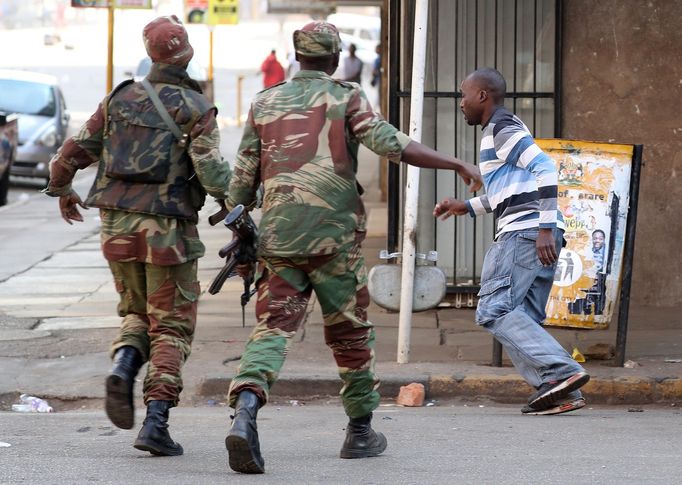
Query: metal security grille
[(520, 38)]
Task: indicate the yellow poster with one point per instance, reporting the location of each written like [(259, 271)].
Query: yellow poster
[(117, 3), (221, 12), (594, 190), (133, 4)]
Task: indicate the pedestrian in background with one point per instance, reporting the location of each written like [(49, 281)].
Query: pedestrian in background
[(518, 269), (352, 66), (376, 68), (157, 149), (376, 77), (272, 70), (293, 65), (300, 142)]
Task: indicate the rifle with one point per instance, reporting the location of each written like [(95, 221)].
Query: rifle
[(214, 219), (241, 250)]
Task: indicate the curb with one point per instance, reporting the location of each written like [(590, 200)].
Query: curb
[(499, 389)]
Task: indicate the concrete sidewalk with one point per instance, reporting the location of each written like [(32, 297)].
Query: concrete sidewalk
[(57, 319)]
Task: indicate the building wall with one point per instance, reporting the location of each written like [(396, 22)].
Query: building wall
[(622, 82)]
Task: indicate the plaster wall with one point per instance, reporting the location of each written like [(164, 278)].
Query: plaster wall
[(622, 83)]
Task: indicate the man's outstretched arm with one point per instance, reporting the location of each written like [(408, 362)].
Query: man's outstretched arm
[(384, 139), (424, 157)]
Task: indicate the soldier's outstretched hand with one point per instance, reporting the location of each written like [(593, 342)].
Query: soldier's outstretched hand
[(68, 206), (471, 176), (450, 207)]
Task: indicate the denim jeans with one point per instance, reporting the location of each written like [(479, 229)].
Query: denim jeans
[(515, 287)]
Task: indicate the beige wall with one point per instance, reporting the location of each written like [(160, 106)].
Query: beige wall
[(622, 82)]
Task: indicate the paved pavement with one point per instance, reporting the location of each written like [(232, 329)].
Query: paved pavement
[(57, 319), (449, 443)]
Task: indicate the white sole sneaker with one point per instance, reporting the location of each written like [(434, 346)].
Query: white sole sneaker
[(558, 408), (559, 391)]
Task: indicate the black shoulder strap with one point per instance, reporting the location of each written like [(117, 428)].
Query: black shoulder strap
[(172, 126), (105, 104)]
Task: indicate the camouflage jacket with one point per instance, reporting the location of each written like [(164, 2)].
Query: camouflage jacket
[(301, 143), (130, 234)]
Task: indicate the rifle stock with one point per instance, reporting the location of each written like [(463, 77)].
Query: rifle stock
[(226, 272)]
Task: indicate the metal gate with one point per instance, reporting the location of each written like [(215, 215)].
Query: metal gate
[(520, 38)]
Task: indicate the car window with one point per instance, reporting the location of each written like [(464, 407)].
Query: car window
[(368, 34), (194, 69), (143, 67), (62, 102), (27, 97)]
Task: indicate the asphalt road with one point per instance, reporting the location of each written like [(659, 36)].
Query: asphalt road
[(446, 443)]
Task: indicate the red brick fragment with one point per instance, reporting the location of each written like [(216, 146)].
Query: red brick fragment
[(411, 395)]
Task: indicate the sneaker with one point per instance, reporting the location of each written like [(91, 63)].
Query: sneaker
[(565, 406), (551, 392)]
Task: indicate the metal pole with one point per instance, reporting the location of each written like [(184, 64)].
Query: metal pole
[(628, 254), (412, 186), (240, 78), (110, 49), (210, 53), (497, 353), (393, 105)]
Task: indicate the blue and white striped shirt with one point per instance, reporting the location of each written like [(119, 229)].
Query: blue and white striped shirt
[(520, 179)]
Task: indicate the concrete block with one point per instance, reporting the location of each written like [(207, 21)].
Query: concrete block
[(385, 286), (624, 390), (669, 390), (510, 389), (600, 351)]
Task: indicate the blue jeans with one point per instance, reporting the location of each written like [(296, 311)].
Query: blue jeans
[(515, 287)]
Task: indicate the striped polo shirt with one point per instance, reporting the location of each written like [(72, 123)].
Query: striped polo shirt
[(520, 179)]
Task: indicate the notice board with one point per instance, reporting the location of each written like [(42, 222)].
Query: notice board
[(594, 197)]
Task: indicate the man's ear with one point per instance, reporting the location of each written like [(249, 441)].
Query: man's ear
[(482, 95)]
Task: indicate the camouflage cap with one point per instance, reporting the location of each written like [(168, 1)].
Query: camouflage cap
[(317, 39), (166, 41)]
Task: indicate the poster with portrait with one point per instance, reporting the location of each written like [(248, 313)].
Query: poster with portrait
[(594, 190)]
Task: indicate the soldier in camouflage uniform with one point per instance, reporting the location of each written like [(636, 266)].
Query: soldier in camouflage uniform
[(149, 186), (300, 142)]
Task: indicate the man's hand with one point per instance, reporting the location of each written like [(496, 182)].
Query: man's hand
[(68, 205), (471, 176), (546, 247), (450, 207)]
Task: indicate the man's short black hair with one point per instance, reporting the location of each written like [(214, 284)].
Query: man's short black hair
[(317, 63), (492, 81)]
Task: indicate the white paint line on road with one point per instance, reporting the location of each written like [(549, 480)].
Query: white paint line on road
[(73, 323)]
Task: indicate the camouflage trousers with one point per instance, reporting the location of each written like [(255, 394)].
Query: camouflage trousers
[(159, 309), (284, 288)]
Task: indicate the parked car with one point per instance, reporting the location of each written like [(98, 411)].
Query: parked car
[(362, 30), (8, 151), (195, 70), (364, 55), (43, 119)]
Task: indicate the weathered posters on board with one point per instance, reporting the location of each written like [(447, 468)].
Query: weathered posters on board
[(594, 190)]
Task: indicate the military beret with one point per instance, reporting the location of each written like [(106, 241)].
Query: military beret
[(317, 39), (166, 41)]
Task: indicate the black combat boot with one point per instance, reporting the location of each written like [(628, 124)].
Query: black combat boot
[(153, 436), (119, 385), (361, 440), (243, 448)]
